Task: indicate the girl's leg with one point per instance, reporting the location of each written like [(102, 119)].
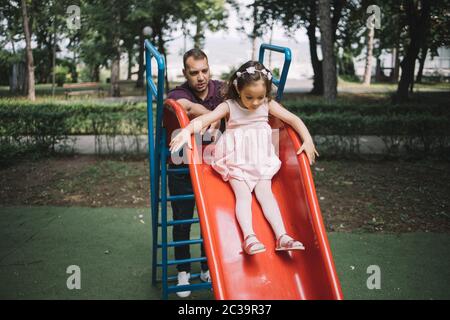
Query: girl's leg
[(243, 206), (263, 192), (244, 216)]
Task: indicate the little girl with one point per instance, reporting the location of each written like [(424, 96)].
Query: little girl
[(247, 107)]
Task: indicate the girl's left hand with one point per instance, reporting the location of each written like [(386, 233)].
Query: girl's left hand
[(310, 150), (214, 130)]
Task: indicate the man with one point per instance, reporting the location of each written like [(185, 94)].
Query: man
[(198, 95)]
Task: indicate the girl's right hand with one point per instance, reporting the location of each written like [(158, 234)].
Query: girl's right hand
[(184, 136)]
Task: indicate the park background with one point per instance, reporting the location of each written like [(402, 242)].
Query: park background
[(74, 180)]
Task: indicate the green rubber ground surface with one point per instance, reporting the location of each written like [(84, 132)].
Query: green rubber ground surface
[(112, 247)]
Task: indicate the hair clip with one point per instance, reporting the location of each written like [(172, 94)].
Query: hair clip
[(267, 74), (252, 70)]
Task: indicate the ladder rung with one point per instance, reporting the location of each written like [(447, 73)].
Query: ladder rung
[(191, 287), (181, 261), (177, 222), (182, 243), (175, 278), (179, 170), (186, 221), (180, 197)]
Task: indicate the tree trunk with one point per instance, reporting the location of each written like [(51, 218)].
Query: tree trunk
[(115, 63), (95, 73), (30, 61), (329, 60), (140, 79), (369, 56), (162, 49), (422, 59), (337, 14), (73, 70), (253, 39), (185, 35), (418, 27), (270, 42), (395, 65), (130, 62), (254, 35), (379, 74), (407, 77), (115, 76), (411, 86), (199, 35), (54, 61), (315, 62)]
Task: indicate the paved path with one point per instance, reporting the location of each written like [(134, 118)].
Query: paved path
[(138, 144)]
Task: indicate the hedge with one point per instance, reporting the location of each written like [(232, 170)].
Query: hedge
[(44, 124), (311, 107)]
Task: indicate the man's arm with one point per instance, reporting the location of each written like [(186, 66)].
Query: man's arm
[(192, 109)]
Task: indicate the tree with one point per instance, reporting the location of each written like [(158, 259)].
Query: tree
[(294, 14), (30, 62), (439, 35), (163, 21), (329, 61), (138, 19), (348, 39), (418, 24), (106, 21), (203, 15), (255, 14)]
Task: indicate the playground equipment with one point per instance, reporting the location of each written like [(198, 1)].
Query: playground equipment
[(306, 274)]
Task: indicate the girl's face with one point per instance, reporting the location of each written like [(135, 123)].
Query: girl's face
[(253, 94)]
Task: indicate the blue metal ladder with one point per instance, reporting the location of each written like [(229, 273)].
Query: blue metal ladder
[(158, 159), (158, 156)]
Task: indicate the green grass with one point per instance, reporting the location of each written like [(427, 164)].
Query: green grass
[(112, 247)]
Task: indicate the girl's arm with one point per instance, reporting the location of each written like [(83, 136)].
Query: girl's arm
[(295, 122), (196, 125), (291, 119)]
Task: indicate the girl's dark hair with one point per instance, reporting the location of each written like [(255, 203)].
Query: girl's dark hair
[(229, 90)]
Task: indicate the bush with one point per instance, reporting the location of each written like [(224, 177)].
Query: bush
[(41, 126), (311, 107)]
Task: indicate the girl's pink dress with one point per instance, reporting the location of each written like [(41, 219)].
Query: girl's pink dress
[(245, 151)]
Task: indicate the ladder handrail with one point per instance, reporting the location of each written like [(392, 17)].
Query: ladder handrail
[(154, 135), (280, 83)]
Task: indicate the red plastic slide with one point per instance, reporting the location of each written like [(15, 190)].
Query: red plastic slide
[(308, 274)]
